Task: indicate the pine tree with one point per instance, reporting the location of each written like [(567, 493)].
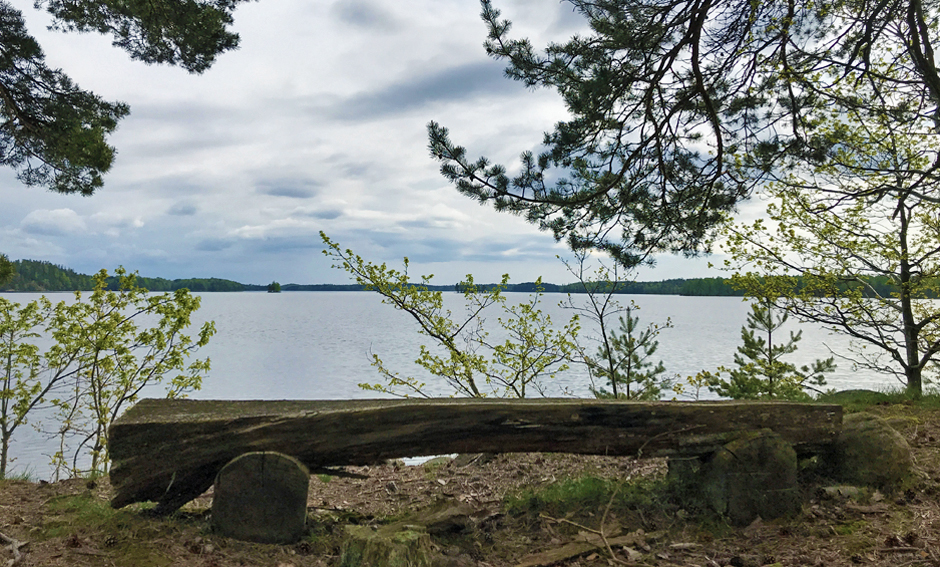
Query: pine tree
[(761, 372), (7, 269), (624, 362)]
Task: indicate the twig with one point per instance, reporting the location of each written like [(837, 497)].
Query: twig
[(639, 452), (566, 521), (599, 532), (15, 546), (613, 557)]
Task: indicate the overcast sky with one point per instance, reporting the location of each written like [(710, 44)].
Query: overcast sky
[(316, 123)]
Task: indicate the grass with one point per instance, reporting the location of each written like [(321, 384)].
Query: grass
[(26, 475), (125, 537), (79, 512), (590, 496), (859, 400)]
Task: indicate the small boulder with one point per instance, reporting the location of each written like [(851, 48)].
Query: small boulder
[(753, 476), (261, 497), (869, 452)]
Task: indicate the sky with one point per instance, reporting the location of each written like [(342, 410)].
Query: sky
[(317, 122)]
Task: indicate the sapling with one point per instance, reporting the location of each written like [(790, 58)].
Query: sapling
[(761, 372)]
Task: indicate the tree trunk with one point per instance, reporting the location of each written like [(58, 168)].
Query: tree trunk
[(170, 450), (4, 453), (915, 386), (910, 329)]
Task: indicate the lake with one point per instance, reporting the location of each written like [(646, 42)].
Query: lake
[(316, 345)]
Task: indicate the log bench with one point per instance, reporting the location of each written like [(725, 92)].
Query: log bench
[(169, 451)]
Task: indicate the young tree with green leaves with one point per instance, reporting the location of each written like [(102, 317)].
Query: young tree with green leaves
[(678, 110), (31, 380), (865, 213), (119, 342), (21, 364), (761, 372), (472, 364)]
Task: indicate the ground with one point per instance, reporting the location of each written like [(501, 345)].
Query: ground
[(510, 509)]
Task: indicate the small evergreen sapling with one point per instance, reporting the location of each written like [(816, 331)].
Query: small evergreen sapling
[(624, 362), (760, 372)]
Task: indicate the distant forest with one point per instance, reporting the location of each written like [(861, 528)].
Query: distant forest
[(32, 275), (35, 276), (697, 286)]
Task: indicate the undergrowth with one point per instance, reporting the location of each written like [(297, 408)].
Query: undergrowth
[(648, 503), (70, 513), (27, 475), (859, 400)]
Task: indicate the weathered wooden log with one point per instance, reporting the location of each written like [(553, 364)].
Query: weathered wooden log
[(169, 451)]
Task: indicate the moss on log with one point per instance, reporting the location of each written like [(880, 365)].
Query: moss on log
[(169, 451)]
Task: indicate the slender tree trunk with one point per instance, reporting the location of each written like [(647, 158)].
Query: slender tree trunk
[(5, 430), (611, 367), (912, 364), (4, 452)]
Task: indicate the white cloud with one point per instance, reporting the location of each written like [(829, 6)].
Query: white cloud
[(56, 222)]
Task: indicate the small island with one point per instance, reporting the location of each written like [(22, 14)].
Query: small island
[(274, 287)]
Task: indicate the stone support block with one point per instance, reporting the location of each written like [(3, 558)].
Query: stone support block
[(261, 497)]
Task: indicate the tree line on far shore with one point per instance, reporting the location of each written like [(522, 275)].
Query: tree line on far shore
[(37, 276), (41, 276)]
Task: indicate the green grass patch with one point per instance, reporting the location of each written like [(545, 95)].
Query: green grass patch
[(589, 496), (850, 528), (859, 400), (125, 536), (25, 475), (81, 511)]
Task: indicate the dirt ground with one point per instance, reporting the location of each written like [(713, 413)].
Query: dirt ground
[(70, 523)]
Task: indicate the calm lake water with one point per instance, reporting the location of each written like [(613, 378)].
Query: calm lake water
[(316, 345)]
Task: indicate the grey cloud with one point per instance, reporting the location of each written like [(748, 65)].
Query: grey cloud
[(430, 223), (213, 245), (276, 244), (362, 14), (182, 210), (203, 127), (292, 192), (353, 168), (570, 20), (444, 249), (292, 188), (325, 214), (454, 84)]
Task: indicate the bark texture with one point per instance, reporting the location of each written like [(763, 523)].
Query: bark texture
[(169, 451)]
